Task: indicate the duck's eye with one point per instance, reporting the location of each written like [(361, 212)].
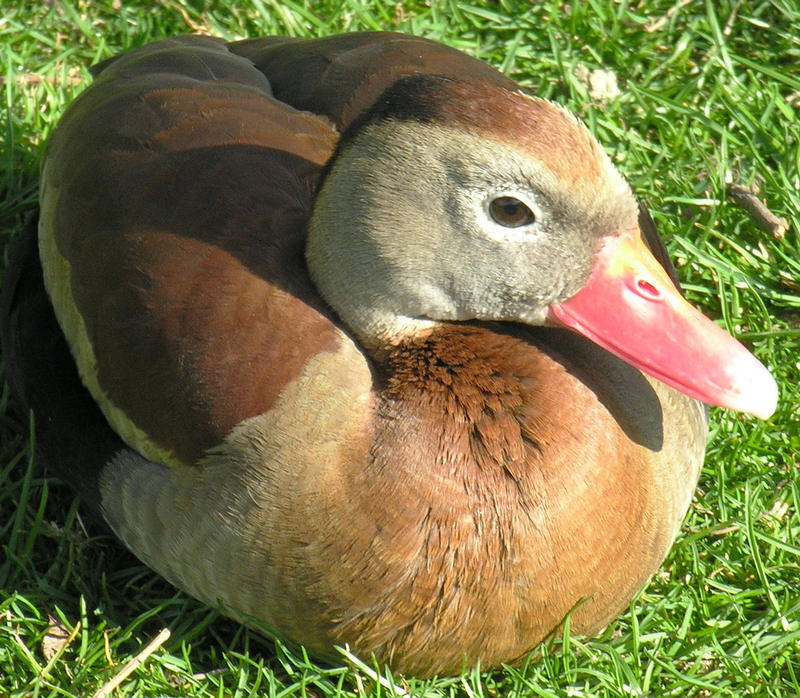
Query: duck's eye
[(510, 212)]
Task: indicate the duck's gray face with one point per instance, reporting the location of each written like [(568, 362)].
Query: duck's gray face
[(507, 210), (462, 227)]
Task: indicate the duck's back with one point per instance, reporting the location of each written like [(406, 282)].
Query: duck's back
[(175, 195)]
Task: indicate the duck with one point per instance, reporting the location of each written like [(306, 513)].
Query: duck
[(360, 342)]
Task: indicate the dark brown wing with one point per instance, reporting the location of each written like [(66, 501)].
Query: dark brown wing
[(177, 189)]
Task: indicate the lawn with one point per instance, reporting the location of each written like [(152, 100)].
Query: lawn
[(708, 96)]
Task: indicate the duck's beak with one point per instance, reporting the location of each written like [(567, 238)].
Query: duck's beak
[(631, 307)]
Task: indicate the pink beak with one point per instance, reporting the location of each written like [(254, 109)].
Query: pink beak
[(631, 308)]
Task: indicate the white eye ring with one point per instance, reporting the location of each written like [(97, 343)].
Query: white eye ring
[(511, 215), (510, 212)]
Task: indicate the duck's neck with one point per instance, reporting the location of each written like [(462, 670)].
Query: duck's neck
[(353, 248), (460, 379)]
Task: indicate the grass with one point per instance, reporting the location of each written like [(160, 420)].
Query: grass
[(710, 94)]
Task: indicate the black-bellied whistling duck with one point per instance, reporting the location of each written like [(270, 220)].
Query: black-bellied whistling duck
[(318, 294)]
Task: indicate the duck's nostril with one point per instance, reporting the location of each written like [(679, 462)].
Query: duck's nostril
[(647, 290)]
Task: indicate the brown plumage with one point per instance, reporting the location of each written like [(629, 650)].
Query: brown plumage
[(322, 385)]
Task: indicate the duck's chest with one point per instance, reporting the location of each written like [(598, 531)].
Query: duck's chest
[(504, 486), (507, 417), (458, 505)]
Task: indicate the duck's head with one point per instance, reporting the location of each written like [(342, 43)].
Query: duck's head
[(457, 201)]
